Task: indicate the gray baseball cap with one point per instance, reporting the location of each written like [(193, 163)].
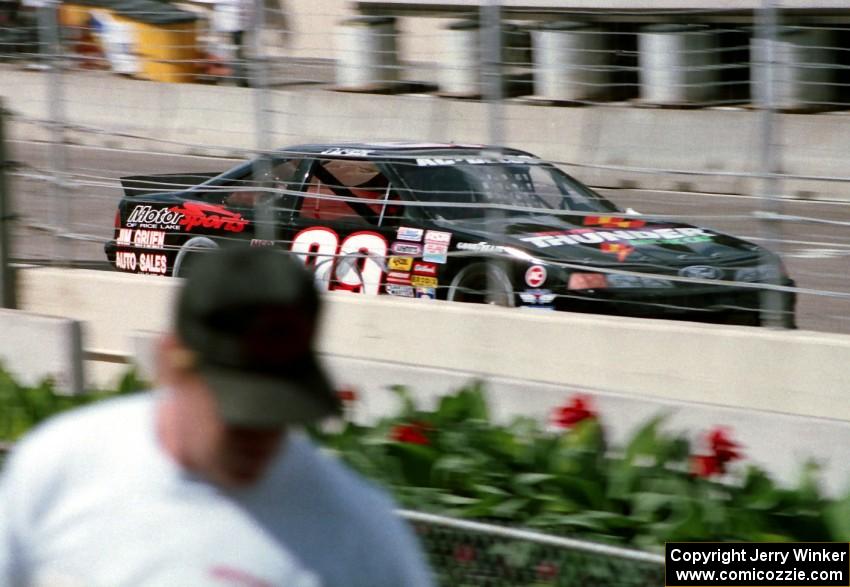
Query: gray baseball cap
[(249, 315)]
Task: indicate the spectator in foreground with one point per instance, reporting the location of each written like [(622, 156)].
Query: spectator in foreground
[(207, 477)]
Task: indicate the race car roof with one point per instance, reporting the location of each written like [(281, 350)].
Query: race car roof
[(395, 149)]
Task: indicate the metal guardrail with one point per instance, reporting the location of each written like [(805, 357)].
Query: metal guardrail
[(470, 553)]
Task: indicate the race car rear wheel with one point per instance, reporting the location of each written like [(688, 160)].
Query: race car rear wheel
[(471, 285), (189, 253)]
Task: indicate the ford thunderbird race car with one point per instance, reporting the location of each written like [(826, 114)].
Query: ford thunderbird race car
[(455, 222)]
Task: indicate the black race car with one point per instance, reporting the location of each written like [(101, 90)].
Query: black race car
[(457, 222)]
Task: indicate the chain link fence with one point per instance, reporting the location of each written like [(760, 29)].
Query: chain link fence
[(691, 107)]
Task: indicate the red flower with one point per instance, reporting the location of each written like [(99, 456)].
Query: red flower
[(464, 553), (706, 466), (347, 394), (723, 450), (409, 433), (547, 571), (576, 410), (723, 447)]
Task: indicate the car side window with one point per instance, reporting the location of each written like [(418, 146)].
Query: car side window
[(246, 191), (349, 190)]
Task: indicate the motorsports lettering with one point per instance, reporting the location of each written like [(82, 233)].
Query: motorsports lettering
[(585, 236), (195, 214), (189, 216), (148, 217)]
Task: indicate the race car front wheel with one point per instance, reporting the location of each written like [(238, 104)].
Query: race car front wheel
[(482, 283)]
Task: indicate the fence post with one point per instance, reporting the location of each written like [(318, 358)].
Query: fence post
[(259, 81), (491, 57), (7, 273), (59, 212), (771, 302)]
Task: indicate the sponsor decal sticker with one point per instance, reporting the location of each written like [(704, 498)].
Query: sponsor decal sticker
[(535, 276), (587, 281), (482, 247), (125, 236), (153, 263), (436, 253), (349, 152), (149, 239), (398, 278), (406, 249), (199, 214), (613, 222), (437, 161), (701, 272), (404, 291), (125, 260), (584, 236), (621, 250), (407, 233), (147, 216), (261, 242), (422, 281), (426, 293), (436, 236), (537, 296), (400, 263), (425, 268)]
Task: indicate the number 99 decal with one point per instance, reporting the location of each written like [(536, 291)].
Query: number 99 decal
[(356, 264)]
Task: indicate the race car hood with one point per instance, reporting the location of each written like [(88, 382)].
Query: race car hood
[(610, 240)]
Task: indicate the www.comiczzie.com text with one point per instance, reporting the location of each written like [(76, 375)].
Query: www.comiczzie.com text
[(757, 564)]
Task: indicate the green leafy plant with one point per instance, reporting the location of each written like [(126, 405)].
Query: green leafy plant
[(566, 479), (22, 407)]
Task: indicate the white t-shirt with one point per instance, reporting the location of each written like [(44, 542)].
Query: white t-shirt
[(91, 497)]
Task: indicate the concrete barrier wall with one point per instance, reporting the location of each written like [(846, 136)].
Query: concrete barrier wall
[(802, 373), (197, 119), (782, 393), (34, 347)]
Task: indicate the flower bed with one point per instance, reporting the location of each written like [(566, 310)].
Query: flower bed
[(560, 477), (565, 478)]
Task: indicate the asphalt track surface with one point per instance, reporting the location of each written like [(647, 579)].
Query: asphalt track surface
[(815, 244)]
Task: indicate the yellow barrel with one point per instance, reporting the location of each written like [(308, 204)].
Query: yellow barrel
[(73, 15), (168, 52)]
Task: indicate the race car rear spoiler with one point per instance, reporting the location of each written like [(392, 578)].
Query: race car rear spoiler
[(140, 185)]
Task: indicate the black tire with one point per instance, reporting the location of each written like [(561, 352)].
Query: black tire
[(470, 285), (190, 253)]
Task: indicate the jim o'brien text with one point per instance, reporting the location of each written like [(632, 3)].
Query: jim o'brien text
[(754, 554)]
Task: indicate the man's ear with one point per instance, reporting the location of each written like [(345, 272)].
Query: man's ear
[(173, 359)]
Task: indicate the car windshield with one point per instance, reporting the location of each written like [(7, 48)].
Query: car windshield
[(469, 185)]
